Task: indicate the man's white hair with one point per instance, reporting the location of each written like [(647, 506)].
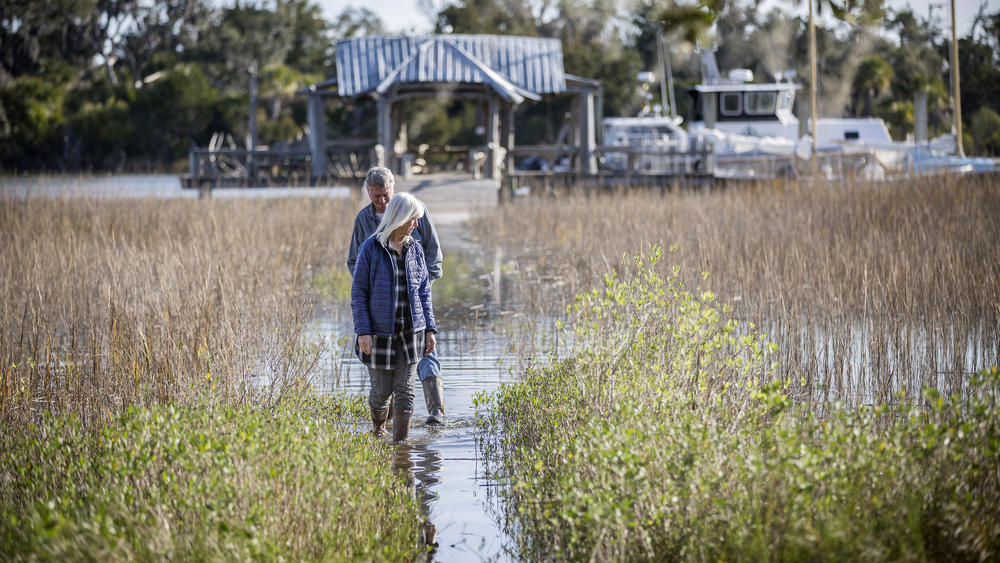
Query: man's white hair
[(379, 177), (401, 210)]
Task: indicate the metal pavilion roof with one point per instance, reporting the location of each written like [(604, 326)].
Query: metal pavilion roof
[(516, 67)]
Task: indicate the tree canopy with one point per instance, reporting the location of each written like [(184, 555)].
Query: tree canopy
[(134, 84)]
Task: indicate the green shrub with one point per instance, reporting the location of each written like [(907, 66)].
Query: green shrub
[(197, 483), (666, 437)]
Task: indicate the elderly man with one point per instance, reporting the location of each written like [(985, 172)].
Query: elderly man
[(379, 185)]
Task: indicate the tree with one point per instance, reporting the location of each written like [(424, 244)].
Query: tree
[(873, 77), (865, 11), (141, 37), (691, 21), (984, 132), (243, 37), (356, 22), (311, 50), (31, 118), (592, 47), (36, 34), (979, 64), (507, 17)]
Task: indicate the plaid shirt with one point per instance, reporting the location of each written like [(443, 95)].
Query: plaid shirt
[(405, 343)]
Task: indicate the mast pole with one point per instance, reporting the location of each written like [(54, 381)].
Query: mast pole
[(812, 83), (956, 88)]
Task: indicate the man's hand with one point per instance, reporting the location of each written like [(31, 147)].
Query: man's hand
[(430, 343), (365, 343)]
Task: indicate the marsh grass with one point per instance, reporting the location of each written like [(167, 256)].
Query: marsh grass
[(156, 378), (667, 434), (204, 483), (867, 289), (111, 303)]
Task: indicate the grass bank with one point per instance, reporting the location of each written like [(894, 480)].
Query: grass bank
[(867, 289), (670, 433), (196, 483), (155, 387), (111, 303)]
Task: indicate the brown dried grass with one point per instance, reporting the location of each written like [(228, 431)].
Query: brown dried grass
[(868, 289), (109, 303)]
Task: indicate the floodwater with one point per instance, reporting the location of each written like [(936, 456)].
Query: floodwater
[(441, 463), (161, 186)]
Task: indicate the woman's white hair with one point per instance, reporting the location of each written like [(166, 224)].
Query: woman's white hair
[(402, 208)]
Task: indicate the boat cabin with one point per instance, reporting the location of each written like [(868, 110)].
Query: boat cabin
[(737, 107)]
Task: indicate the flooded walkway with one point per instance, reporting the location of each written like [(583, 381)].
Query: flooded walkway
[(442, 462)]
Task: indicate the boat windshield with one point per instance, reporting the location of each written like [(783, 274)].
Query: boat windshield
[(760, 103), (785, 100), (637, 135)]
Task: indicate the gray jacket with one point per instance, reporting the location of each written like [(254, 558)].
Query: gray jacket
[(425, 234)]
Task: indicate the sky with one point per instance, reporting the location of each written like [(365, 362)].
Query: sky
[(405, 16)]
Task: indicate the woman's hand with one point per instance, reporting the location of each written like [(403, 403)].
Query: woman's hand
[(430, 343), (365, 343)]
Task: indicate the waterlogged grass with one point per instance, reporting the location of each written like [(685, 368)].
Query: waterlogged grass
[(867, 289), (110, 303), (205, 483), (670, 434)]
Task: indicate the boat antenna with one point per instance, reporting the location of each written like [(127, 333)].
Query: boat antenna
[(709, 68), (666, 88)]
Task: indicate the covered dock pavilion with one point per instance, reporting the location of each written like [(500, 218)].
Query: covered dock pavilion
[(498, 71)]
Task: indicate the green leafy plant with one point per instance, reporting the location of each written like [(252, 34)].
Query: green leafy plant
[(667, 435), (205, 483)]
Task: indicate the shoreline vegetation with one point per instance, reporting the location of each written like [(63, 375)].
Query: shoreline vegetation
[(669, 435), (809, 374), (113, 303), (154, 387), (206, 482), (867, 289)]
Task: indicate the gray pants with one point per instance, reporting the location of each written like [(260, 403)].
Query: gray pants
[(385, 382)]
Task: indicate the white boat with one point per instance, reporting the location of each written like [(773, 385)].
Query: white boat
[(654, 137), (750, 131)]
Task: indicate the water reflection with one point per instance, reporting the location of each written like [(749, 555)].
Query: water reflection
[(160, 186), (441, 463), (420, 465)]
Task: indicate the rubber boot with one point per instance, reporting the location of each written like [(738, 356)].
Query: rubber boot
[(378, 419), (392, 403), (434, 397), (401, 424)]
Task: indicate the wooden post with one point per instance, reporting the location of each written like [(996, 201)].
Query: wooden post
[(492, 138), (588, 135), (507, 136), (920, 116), (193, 167), (398, 138), (252, 139), (384, 130), (317, 134)]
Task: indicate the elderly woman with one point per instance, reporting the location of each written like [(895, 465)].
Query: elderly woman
[(393, 315)]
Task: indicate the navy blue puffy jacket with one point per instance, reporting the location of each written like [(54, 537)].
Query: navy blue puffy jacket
[(373, 293)]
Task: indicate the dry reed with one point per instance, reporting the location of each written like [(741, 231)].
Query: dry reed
[(109, 303), (868, 289)]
